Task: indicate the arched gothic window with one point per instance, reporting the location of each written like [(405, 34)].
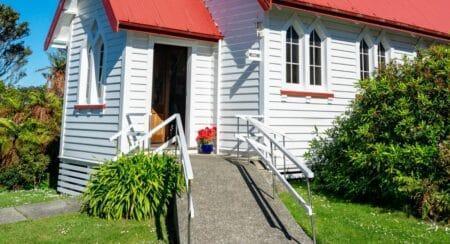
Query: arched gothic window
[(292, 56), (315, 59)]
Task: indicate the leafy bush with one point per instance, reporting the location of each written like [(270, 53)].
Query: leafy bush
[(29, 127), (392, 146), (133, 187)]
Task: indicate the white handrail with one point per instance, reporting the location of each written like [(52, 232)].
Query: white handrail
[(181, 139), (127, 129), (120, 133), (244, 117), (263, 129), (263, 151), (254, 144)]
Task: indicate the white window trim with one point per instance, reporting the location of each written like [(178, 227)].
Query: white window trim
[(90, 43), (373, 55), (82, 75), (300, 29), (325, 49), (304, 77), (387, 46)]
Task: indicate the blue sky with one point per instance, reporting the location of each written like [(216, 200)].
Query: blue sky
[(39, 15)]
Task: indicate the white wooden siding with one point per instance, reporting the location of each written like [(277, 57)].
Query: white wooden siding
[(202, 86), (85, 133), (240, 88), (298, 117), (137, 85)]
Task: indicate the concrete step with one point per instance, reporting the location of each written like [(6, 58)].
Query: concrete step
[(234, 204)]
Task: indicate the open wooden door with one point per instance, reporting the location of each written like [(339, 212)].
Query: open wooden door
[(169, 87)]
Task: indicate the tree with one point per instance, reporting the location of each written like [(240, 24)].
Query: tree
[(393, 145), (56, 73), (13, 52), (29, 133)]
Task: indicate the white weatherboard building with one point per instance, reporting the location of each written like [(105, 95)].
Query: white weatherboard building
[(132, 64)]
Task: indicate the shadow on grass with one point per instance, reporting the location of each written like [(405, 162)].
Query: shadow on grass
[(165, 224), (339, 198)]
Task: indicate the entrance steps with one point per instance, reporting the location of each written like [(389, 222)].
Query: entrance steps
[(234, 204)]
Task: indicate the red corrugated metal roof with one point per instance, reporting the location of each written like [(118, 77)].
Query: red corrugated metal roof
[(185, 18), (431, 17)]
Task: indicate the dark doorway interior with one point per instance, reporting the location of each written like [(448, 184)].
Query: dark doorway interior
[(169, 87)]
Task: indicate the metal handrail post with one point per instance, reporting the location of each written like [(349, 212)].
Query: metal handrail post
[(181, 145), (189, 211), (176, 145), (311, 218), (284, 157), (248, 135), (238, 142), (273, 173)]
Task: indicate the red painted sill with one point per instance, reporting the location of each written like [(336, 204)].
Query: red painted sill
[(89, 106), (312, 94)]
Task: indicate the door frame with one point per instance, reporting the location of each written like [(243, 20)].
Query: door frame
[(191, 45), (167, 99)]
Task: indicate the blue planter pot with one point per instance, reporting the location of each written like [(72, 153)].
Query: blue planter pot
[(206, 149)]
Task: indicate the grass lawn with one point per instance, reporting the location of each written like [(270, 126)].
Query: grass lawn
[(340, 221), (17, 198), (79, 228)]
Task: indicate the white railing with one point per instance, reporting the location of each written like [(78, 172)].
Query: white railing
[(130, 130), (263, 140), (181, 149)]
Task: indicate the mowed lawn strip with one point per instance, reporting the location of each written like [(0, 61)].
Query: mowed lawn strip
[(79, 228), (22, 197), (341, 221)]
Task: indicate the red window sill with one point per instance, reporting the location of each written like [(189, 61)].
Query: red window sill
[(312, 94), (90, 106)]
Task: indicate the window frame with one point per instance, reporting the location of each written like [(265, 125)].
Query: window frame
[(322, 33), (91, 90), (291, 62), (364, 73), (381, 57), (297, 25), (367, 37), (304, 76), (98, 71), (312, 64), (383, 40)]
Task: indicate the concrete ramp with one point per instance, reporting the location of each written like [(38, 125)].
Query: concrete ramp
[(233, 204)]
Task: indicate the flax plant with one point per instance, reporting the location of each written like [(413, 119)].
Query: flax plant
[(133, 187)]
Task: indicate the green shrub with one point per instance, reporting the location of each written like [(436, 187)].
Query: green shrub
[(392, 146), (29, 127), (133, 187)]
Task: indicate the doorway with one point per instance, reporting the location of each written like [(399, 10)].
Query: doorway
[(169, 88)]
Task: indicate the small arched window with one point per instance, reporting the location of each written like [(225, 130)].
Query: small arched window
[(89, 75), (364, 60), (292, 56), (93, 65), (381, 56), (100, 56), (315, 59)]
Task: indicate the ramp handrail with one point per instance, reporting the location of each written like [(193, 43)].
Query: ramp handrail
[(180, 139), (266, 152), (131, 129)]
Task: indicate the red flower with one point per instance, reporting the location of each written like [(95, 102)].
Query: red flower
[(207, 135)]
